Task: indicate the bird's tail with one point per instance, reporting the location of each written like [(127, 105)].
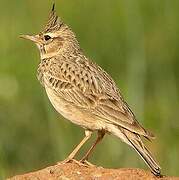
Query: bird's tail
[(145, 154), (135, 141)]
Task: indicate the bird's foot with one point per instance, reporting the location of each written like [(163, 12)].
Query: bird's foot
[(68, 160), (80, 163), (86, 163)]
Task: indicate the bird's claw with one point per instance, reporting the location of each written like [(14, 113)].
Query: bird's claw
[(67, 160), (82, 162), (86, 163)]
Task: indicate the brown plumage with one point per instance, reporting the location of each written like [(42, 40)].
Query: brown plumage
[(83, 92)]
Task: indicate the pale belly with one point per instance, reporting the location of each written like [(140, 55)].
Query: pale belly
[(75, 114)]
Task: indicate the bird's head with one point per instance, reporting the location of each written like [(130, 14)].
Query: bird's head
[(55, 38)]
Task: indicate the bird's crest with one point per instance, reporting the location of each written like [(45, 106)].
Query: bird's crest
[(54, 22)]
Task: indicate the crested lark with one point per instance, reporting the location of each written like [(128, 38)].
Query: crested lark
[(83, 92)]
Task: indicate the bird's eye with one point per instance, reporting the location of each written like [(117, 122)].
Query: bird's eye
[(47, 37)]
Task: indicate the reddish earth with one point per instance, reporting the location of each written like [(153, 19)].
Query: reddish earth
[(76, 171)]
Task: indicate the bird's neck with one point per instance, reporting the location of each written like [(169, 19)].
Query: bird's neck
[(48, 55)]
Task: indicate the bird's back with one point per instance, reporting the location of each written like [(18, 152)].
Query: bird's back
[(87, 87)]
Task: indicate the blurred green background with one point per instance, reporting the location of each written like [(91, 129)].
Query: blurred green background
[(134, 41)]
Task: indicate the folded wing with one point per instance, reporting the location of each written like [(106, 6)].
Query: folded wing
[(87, 86)]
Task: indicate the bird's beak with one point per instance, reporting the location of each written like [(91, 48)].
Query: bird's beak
[(34, 39)]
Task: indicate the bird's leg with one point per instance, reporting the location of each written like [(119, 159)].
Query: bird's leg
[(99, 138), (75, 151)]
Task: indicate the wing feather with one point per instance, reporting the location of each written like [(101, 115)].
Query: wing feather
[(87, 86)]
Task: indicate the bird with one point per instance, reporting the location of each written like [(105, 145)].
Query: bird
[(84, 93)]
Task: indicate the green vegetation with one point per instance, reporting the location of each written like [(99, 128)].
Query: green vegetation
[(135, 41)]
